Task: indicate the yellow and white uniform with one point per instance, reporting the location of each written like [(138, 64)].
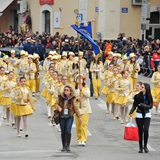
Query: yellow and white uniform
[(23, 100), (72, 74), (63, 67), (7, 89), (82, 64), (97, 75), (155, 80), (107, 74), (106, 64), (14, 62), (46, 63), (123, 88), (85, 111), (111, 88), (30, 70), (2, 79), (133, 70)]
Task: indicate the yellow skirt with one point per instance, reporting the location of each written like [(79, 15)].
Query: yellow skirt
[(121, 100), (52, 101), (155, 92), (5, 101), (48, 97), (158, 97), (23, 110), (44, 93), (104, 90), (13, 107), (111, 97), (1, 93)]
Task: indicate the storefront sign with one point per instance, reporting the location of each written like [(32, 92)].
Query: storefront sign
[(42, 2)]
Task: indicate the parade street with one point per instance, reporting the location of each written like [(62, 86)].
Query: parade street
[(105, 138)]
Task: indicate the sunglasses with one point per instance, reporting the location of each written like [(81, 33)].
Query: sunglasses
[(66, 90)]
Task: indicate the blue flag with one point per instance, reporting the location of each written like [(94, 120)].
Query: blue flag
[(95, 47), (86, 29)]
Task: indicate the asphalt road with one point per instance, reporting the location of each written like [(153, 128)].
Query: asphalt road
[(105, 138)]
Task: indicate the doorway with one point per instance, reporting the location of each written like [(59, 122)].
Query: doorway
[(47, 21)]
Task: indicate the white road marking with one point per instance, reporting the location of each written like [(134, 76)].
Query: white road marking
[(1, 116), (150, 148), (33, 151)]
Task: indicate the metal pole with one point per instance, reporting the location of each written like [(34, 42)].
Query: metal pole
[(142, 36)]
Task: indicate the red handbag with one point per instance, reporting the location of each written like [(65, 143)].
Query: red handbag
[(131, 132)]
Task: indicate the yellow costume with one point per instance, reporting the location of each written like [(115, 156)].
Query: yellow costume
[(23, 99), (97, 75), (123, 88), (7, 89), (107, 74), (85, 111), (30, 69), (156, 82)]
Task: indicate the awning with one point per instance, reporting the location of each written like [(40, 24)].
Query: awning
[(4, 4)]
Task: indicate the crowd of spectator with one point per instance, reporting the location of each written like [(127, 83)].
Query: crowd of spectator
[(41, 43)]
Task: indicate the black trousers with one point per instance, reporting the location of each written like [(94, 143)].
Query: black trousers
[(143, 128)]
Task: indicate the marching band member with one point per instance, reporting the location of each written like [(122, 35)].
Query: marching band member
[(96, 68), (51, 88), (64, 63), (108, 73), (124, 64), (82, 64), (37, 73), (82, 93), (47, 62), (14, 61), (112, 92), (130, 100), (7, 65), (56, 64), (73, 71), (64, 82), (7, 88), (156, 89), (70, 63), (108, 61), (114, 59), (21, 63), (46, 78), (13, 104), (23, 98), (134, 68), (3, 78), (123, 88), (30, 70)]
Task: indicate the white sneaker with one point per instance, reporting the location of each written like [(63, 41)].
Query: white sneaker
[(79, 143), (83, 144), (37, 93)]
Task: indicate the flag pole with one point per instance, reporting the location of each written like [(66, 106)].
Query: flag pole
[(77, 23)]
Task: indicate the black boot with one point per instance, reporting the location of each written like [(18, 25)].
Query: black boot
[(140, 147), (68, 142), (63, 138)]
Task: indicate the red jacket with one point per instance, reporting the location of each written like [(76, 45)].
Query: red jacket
[(155, 60)]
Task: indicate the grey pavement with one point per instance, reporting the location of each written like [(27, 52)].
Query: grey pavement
[(105, 140)]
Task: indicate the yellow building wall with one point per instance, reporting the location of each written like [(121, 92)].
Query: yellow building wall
[(67, 14), (155, 2), (130, 23)]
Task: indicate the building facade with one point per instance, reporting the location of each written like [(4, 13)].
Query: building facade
[(109, 17)]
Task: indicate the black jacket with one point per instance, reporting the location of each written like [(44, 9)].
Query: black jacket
[(144, 107)]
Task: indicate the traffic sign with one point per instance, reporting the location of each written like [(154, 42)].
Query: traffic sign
[(80, 17), (96, 9), (124, 10)]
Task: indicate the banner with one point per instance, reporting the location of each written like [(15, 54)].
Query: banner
[(95, 47)]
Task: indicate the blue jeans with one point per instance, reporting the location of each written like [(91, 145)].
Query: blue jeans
[(66, 125)]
